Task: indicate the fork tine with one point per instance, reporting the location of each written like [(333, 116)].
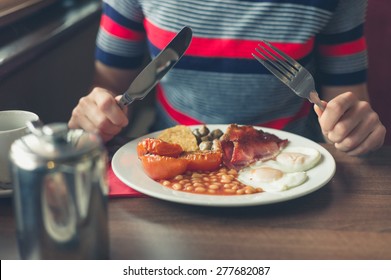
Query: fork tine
[(287, 62), (280, 64), (293, 62), (289, 71), (271, 67)]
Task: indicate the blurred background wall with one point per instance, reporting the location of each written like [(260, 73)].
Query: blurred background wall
[(378, 32), (52, 83), (49, 73)]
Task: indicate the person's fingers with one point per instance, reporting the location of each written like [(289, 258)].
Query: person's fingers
[(109, 106), (99, 113), (79, 118), (319, 111), (358, 135), (359, 115), (335, 109), (373, 142), (104, 129), (80, 121)]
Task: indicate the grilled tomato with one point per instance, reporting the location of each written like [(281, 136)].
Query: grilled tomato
[(203, 161), (158, 147), (163, 167), (163, 160)]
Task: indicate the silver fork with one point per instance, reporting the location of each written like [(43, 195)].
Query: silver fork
[(289, 71)]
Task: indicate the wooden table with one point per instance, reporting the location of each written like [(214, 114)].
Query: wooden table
[(349, 218)]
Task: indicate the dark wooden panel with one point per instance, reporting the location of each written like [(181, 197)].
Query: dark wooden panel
[(12, 10), (378, 33)]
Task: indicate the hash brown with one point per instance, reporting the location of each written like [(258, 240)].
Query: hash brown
[(182, 135)]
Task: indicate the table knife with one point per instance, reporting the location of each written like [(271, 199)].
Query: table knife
[(157, 68)]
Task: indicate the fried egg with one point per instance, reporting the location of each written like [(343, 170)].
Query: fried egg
[(293, 159), (271, 179), (286, 171)]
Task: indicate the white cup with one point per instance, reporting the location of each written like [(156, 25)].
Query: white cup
[(12, 127)]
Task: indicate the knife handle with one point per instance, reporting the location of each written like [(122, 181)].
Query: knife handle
[(125, 101)]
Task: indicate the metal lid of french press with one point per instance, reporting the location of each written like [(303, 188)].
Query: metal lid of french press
[(54, 142)]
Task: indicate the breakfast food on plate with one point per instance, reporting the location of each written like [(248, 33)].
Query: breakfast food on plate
[(243, 145), (203, 160), (182, 135), (271, 179), (243, 160), (222, 181), (207, 139), (285, 171), (163, 160), (294, 159), (163, 167), (158, 147)]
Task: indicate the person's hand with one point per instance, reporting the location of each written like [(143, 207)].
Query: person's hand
[(98, 112), (351, 124)]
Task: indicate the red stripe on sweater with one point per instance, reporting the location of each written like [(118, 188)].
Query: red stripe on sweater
[(120, 31), (230, 48), (173, 113), (281, 123), (344, 49)]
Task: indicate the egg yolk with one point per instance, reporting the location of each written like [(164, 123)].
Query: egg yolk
[(266, 174), (294, 158)]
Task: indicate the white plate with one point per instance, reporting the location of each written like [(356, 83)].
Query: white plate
[(128, 169)]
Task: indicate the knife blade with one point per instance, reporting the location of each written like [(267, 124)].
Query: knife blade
[(157, 68)]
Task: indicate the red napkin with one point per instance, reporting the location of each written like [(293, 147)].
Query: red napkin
[(119, 189)]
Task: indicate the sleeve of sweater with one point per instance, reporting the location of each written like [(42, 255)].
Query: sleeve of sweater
[(341, 46), (121, 39)]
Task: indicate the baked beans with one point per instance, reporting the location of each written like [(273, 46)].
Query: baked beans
[(223, 181)]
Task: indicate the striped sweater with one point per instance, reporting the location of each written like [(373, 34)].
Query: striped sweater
[(218, 80)]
